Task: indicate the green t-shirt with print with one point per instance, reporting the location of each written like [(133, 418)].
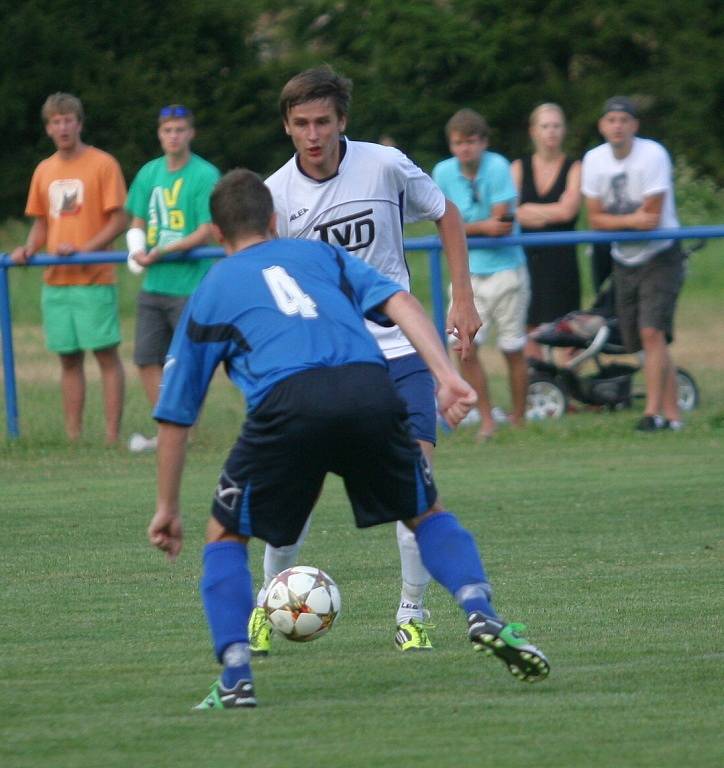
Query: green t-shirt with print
[(173, 204)]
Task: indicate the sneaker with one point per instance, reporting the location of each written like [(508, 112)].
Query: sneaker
[(259, 633), (674, 424), (137, 443), (412, 635), (506, 641), (241, 695), (650, 424)]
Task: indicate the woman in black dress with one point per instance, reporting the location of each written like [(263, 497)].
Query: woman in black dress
[(549, 183)]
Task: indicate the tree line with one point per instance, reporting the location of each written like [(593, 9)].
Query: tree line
[(413, 65)]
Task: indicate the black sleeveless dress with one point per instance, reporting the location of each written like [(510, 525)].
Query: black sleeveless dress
[(554, 278)]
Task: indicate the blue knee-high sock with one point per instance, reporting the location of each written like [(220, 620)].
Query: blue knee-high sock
[(450, 554), (226, 591)]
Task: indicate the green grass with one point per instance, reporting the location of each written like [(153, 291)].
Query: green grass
[(609, 547), (608, 544)]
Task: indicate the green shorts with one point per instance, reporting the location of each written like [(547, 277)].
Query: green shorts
[(78, 317)]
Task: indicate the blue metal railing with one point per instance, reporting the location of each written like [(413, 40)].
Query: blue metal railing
[(430, 244)]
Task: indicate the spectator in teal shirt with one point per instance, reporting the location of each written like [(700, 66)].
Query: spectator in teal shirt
[(479, 182)]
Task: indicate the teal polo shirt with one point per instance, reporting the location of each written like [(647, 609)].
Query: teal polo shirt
[(493, 184)]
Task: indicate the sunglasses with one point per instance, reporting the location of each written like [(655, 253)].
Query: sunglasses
[(174, 110), (474, 192)]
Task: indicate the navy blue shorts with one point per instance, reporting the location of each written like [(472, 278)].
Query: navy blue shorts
[(347, 420), (415, 385)]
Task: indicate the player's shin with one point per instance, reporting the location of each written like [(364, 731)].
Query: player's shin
[(451, 556), (415, 577), (226, 592)]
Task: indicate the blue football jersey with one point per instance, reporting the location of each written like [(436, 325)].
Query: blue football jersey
[(272, 310)]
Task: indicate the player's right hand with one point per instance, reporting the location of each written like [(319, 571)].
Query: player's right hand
[(455, 398), (165, 532)]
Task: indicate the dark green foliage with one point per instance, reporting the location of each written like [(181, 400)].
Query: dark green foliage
[(413, 65)]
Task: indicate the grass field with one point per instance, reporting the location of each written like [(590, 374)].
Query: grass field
[(609, 545)]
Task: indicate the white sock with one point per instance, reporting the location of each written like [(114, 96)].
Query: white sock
[(415, 577), (278, 559)]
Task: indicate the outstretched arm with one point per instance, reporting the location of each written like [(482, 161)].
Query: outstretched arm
[(462, 316), (165, 530), (454, 396)]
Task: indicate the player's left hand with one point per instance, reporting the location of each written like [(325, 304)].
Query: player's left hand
[(166, 532), (455, 398), (464, 322)]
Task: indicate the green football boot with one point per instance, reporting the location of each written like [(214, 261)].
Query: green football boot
[(494, 638), (238, 697)]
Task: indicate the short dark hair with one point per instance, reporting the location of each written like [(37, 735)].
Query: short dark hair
[(314, 84), (468, 122), (241, 204)]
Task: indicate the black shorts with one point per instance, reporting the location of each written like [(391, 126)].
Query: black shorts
[(156, 319), (646, 295), (347, 420)]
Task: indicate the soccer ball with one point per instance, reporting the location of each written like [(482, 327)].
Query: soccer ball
[(302, 603)]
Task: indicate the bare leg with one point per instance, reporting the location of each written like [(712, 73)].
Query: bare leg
[(533, 348), (72, 386), (660, 375), (473, 372), (151, 379), (113, 381), (656, 364), (670, 404), (518, 378)]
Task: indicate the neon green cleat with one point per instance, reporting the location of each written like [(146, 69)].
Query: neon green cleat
[(238, 697), (412, 635), (259, 633), (505, 641)]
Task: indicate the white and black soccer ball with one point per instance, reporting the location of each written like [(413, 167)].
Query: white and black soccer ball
[(302, 603)]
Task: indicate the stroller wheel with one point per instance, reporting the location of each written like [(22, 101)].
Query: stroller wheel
[(546, 398), (687, 390)]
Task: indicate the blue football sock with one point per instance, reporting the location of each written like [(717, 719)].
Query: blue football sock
[(450, 554), (226, 591)]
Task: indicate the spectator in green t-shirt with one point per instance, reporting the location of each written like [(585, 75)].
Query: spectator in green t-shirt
[(169, 205)]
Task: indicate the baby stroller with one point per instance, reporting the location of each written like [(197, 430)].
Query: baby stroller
[(551, 387)]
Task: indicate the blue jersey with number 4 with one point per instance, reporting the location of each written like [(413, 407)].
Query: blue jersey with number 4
[(272, 310)]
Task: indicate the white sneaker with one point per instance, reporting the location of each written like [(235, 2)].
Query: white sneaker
[(471, 417), (137, 443)]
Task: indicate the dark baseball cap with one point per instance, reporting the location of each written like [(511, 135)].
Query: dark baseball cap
[(619, 104)]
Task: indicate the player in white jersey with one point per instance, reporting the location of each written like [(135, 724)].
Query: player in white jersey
[(359, 195)]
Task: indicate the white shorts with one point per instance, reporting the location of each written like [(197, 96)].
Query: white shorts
[(501, 299)]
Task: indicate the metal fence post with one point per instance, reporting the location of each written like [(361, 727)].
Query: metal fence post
[(6, 331)]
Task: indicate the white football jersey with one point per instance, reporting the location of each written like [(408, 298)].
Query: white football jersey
[(361, 208)]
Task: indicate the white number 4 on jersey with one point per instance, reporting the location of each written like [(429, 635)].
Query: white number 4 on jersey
[(290, 298)]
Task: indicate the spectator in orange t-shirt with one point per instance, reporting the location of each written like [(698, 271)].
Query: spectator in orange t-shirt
[(76, 199)]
